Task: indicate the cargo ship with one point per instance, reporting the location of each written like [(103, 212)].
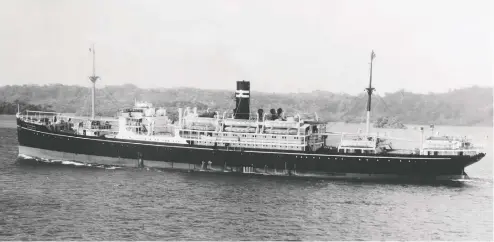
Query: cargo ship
[(238, 141)]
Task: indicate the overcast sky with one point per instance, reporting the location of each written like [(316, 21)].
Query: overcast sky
[(280, 46)]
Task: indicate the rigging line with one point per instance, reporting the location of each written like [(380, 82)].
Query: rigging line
[(88, 101), (377, 104), (114, 101), (385, 105), (230, 105), (236, 108), (363, 117), (331, 125), (237, 105), (86, 111), (83, 106), (350, 108), (111, 95)]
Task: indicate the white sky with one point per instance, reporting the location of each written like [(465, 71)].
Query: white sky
[(280, 46)]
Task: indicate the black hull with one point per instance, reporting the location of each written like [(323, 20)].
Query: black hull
[(38, 141)]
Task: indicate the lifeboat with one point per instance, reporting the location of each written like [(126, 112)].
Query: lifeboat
[(281, 124), (203, 128), (281, 131), (149, 112), (161, 112), (241, 123), (442, 143), (201, 121), (241, 129)]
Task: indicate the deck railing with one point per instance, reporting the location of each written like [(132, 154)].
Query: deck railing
[(28, 114)]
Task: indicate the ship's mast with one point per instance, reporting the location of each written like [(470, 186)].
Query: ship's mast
[(370, 89), (93, 79)]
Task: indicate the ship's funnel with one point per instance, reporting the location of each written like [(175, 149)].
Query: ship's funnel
[(242, 98)]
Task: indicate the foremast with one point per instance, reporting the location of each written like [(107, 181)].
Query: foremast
[(369, 90), (93, 79)]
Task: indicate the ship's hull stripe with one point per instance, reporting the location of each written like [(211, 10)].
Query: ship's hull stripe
[(245, 151)]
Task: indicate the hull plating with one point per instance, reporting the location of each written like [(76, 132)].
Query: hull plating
[(38, 142), (111, 161)]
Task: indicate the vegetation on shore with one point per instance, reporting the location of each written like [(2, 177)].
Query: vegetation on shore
[(388, 123), (466, 106), (12, 107)]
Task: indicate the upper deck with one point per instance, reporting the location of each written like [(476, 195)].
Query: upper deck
[(260, 131), (60, 122), (449, 145)]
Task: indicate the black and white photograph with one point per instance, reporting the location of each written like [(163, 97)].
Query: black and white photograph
[(246, 120)]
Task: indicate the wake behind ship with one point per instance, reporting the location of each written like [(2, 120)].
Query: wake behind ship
[(265, 143)]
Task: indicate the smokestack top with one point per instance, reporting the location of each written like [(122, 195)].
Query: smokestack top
[(243, 85), (243, 89)]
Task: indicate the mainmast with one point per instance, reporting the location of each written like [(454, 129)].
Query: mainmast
[(370, 89), (93, 79)]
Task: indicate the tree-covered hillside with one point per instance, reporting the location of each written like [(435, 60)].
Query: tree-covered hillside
[(467, 106)]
